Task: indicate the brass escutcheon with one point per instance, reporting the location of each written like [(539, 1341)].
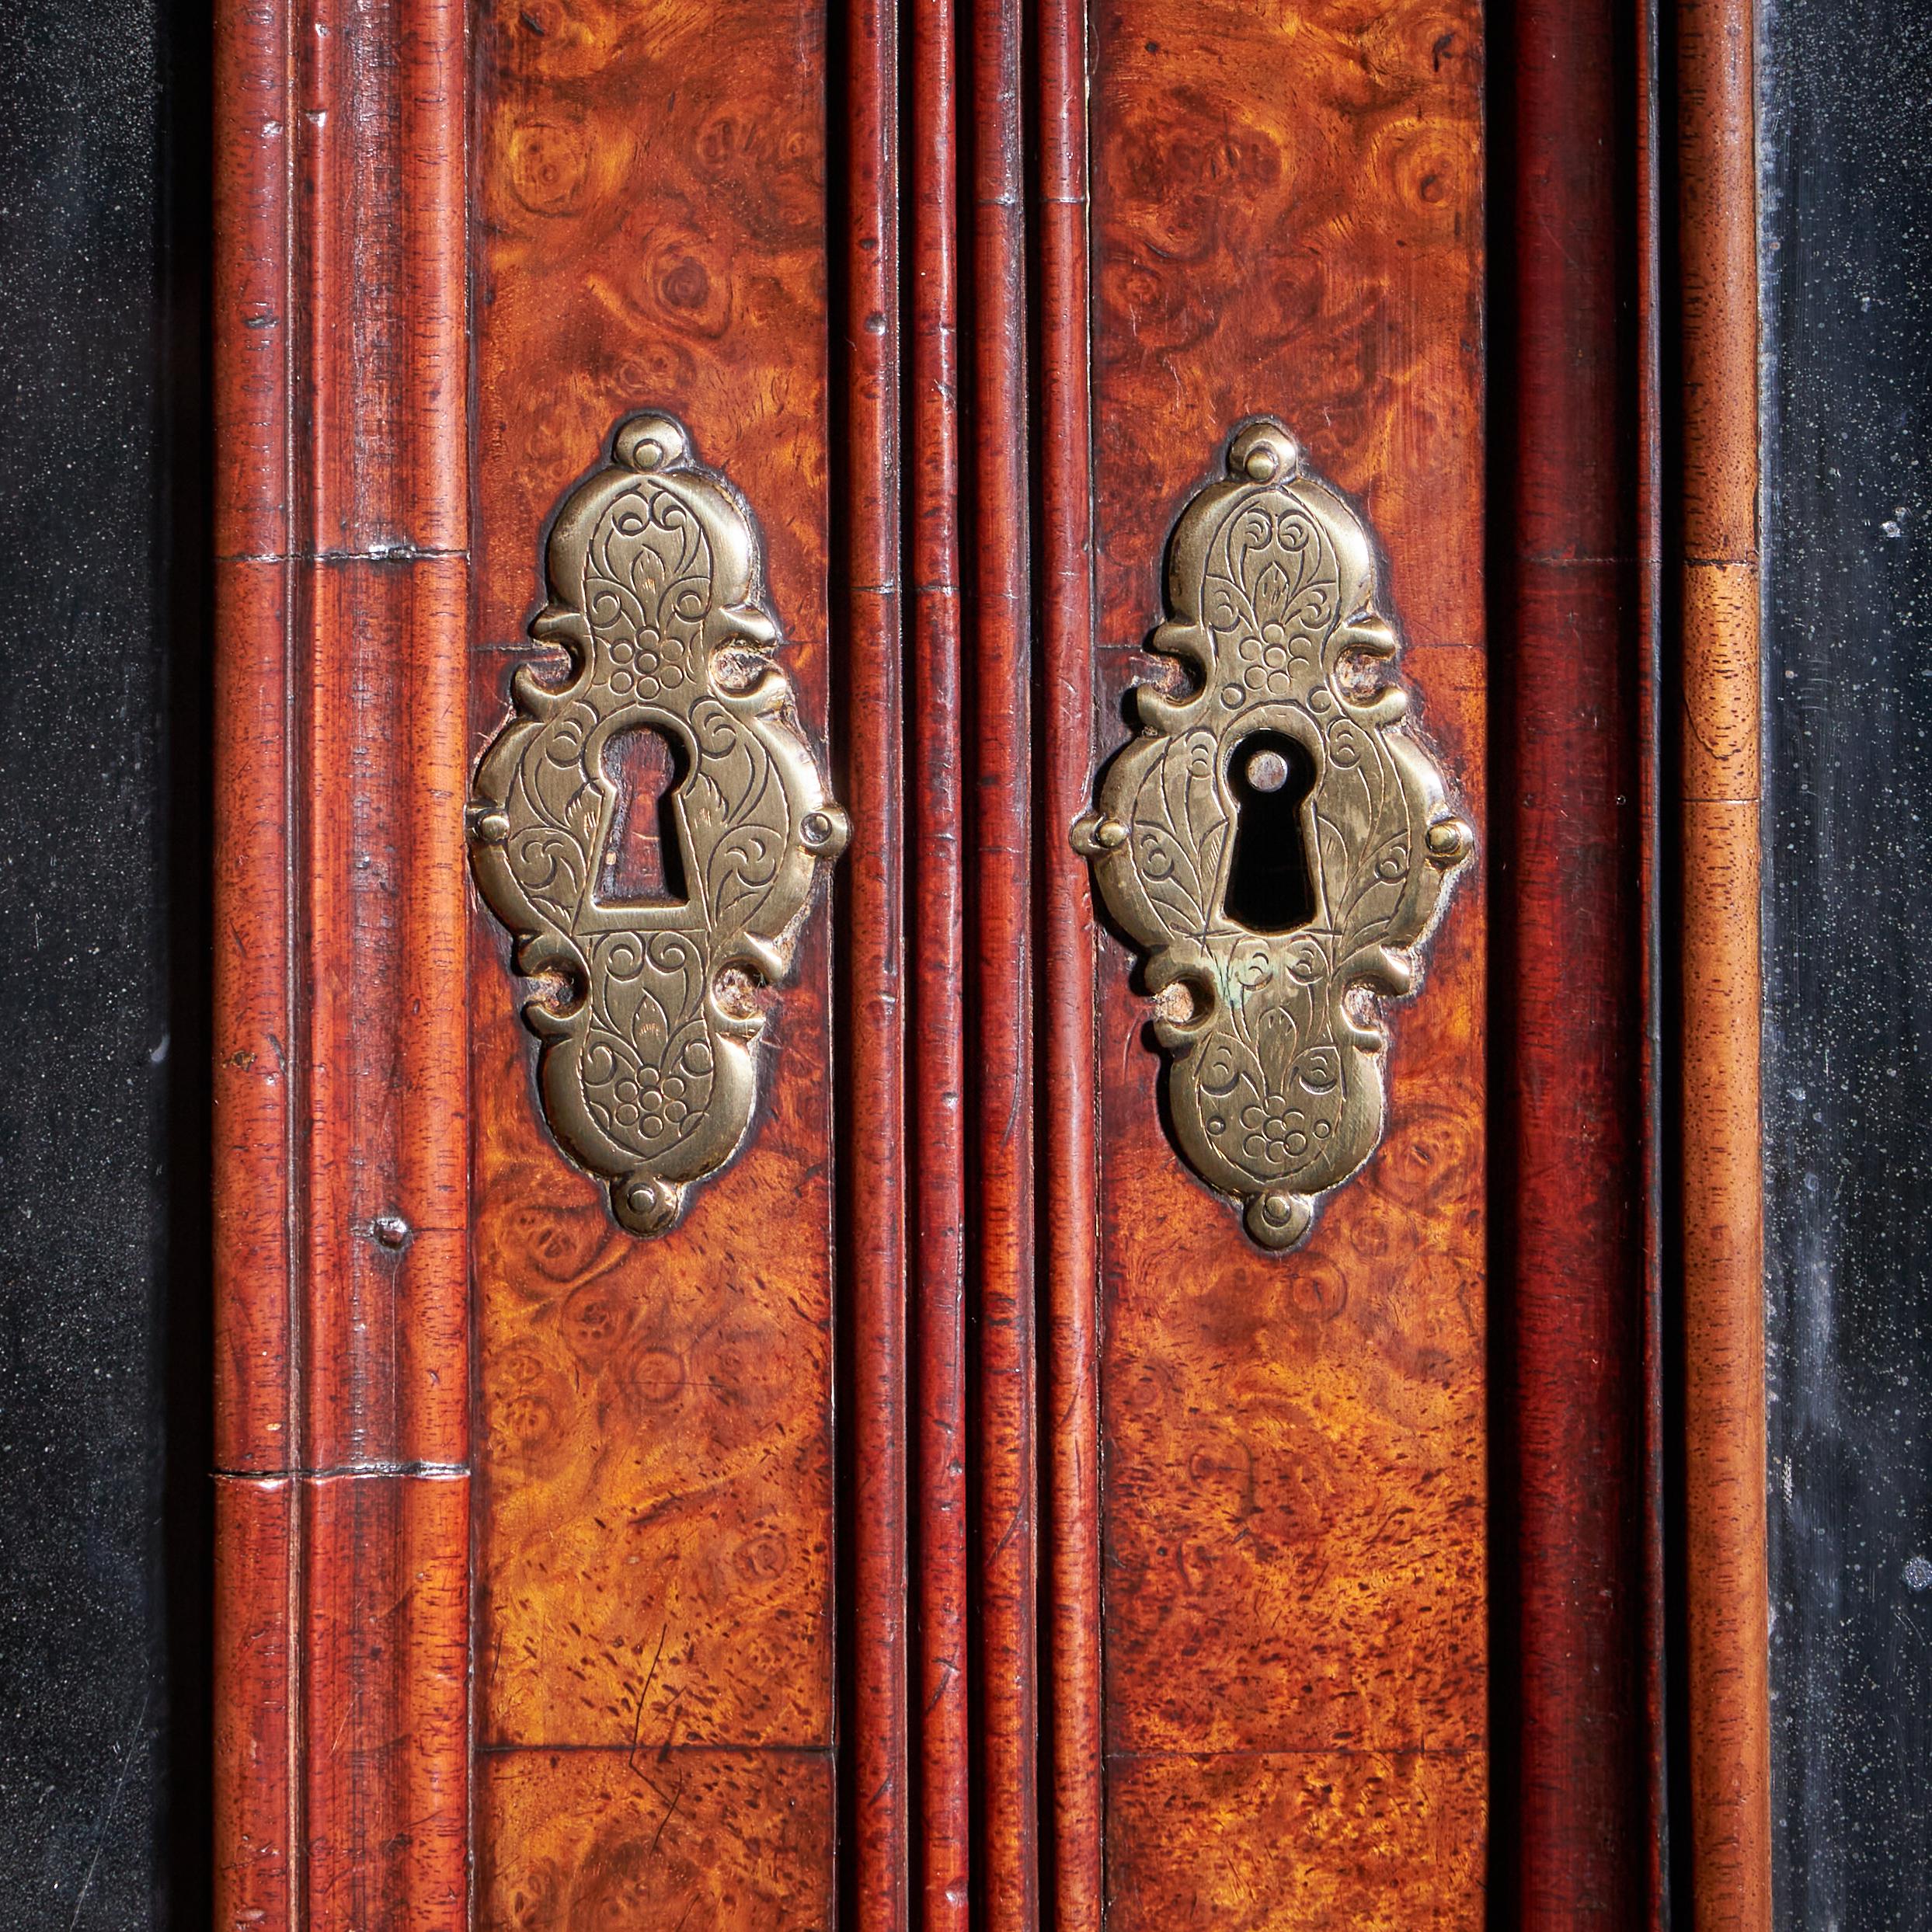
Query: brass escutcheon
[(1276, 841), (646, 1008)]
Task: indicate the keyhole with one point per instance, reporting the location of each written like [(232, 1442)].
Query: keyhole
[(1271, 887), (641, 857)]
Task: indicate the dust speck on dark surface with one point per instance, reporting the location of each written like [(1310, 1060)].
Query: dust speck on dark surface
[(1846, 146), (103, 655)]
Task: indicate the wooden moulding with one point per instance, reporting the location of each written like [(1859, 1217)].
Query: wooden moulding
[(1070, 1345), (936, 913), (874, 1769), (1715, 556), (342, 1371), (1580, 1614), (972, 1750), (1000, 1021)]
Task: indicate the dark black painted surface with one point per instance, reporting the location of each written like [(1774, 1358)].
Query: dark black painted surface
[(1847, 130), (103, 903)]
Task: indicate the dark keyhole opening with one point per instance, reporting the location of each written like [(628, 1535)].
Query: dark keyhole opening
[(641, 857), (1270, 886)]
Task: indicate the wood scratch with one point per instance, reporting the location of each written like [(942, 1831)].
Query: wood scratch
[(113, 1805)]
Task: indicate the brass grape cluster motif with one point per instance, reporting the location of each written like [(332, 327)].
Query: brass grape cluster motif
[(1274, 1077), (648, 1023)]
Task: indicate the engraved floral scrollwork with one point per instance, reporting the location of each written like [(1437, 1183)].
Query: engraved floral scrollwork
[(1274, 1076), (645, 1007)]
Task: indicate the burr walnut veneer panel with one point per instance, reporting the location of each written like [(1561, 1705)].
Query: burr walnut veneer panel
[(655, 1552), (1284, 217), (1287, 217)]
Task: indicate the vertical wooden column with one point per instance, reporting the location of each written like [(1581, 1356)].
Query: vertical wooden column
[(343, 1370), (1001, 1023), (937, 885), (1068, 1082), (1715, 562), (1576, 909), (874, 1772)]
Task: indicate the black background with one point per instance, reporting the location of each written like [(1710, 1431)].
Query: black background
[(1846, 144), (104, 736)]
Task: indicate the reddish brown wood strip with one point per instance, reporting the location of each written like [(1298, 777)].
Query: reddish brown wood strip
[(382, 1034), (873, 1245), (1652, 871), (1716, 548), (254, 1418), (384, 1688), (342, 1158), (251, 323), (1069, 1085), (1006, 1570), (427, 671), (379, 282), (938, 918), (256, 1769), (1579, 1512)]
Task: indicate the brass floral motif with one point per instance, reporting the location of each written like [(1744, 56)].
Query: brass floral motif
[(1274, 1077), (649, 1021)]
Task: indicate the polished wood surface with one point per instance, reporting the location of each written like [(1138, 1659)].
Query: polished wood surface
[(1722, 1201), (341, 1029), (874, 1521), (1578, 1610), (1003, 1206), (936, 877), (1070, 1715), (1287, 217), (656, 1539)]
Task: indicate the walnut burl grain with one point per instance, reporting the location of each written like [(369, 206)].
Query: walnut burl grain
[(654, 1645), (1316, 1852), (1287, 218), (692, 1836), (652, 188)]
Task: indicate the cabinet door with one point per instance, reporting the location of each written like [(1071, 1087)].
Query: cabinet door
[(952, 1116), (657, 1534), (1292, 1599)]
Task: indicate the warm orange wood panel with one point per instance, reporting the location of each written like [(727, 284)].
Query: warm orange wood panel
[(1368, 1838), (1727, 1640), (696, 1837), (1287, 212), (654, 1646)]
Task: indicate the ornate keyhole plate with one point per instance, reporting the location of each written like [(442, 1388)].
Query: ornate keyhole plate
[(1275, 1074), (646, 1009)]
